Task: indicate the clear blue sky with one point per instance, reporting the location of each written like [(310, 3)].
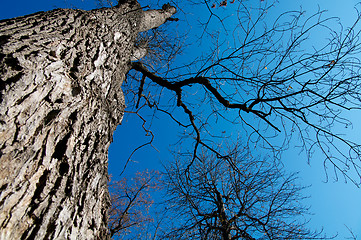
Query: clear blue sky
[(334, 203)]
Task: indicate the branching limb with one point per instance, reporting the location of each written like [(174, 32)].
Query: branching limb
[(140, 90)]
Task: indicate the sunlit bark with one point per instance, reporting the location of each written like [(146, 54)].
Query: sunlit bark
[(61, 100)]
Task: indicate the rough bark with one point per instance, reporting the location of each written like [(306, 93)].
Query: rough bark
[(61, 73)]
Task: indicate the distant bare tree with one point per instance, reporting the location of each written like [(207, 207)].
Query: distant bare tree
[(130, 203), (235, 197)]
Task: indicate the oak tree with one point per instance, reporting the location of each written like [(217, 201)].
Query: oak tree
[(60, 101), (61, 77)]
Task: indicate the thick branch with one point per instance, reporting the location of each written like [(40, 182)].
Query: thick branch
[(177, 88)]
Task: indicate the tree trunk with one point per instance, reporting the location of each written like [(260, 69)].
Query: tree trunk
[(61, 73)]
